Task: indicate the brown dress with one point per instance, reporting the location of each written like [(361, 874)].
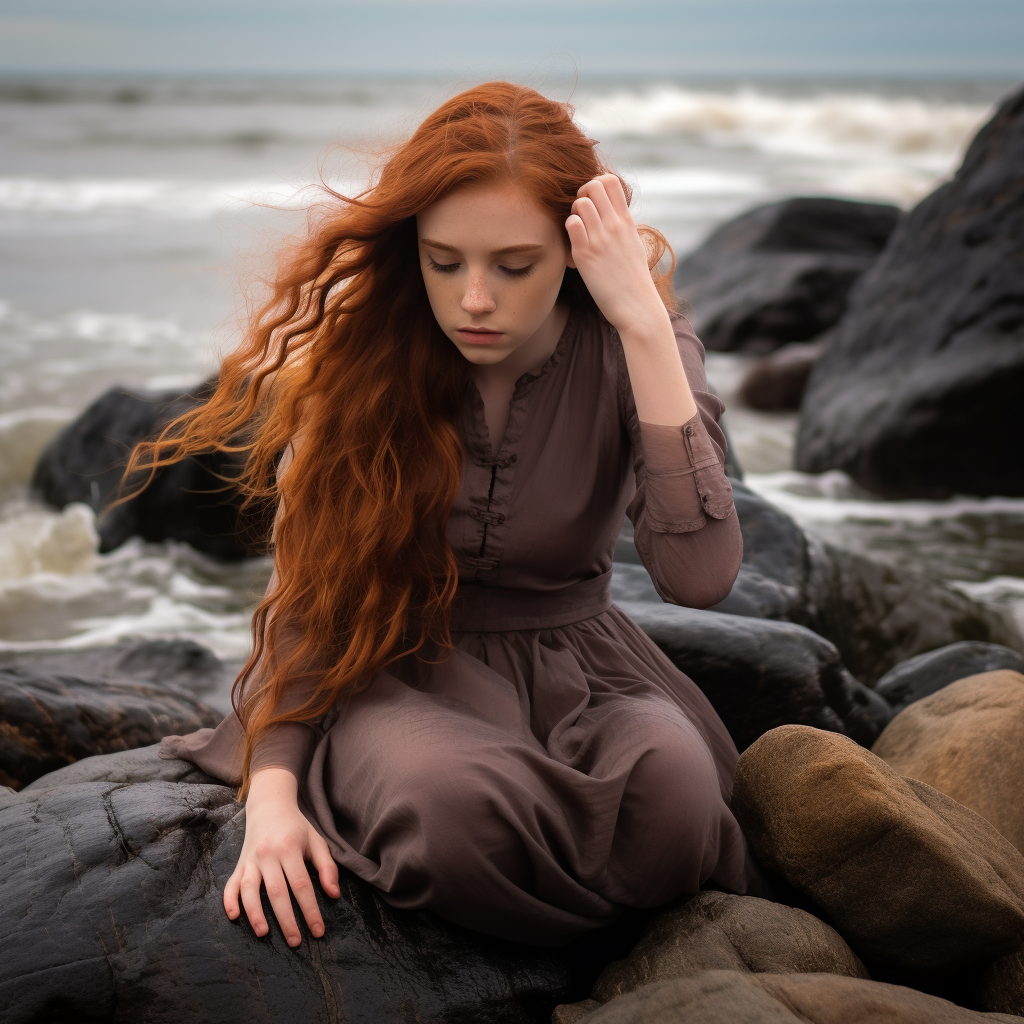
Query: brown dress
[(557, 767)]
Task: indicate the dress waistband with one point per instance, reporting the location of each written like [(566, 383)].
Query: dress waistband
[(483, 609)]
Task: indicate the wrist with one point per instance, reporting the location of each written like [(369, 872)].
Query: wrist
[(649, 327), (270, 785)]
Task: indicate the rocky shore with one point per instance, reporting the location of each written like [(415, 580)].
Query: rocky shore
[(879, 713)]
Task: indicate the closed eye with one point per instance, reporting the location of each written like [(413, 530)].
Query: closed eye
[(442, 268), (518, 271)]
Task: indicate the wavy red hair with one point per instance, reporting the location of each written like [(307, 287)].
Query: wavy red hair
[(346, 355)]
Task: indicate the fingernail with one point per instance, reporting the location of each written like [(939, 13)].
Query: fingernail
[(318, 931)]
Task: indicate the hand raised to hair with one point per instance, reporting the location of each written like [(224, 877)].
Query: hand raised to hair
[(610, 254)]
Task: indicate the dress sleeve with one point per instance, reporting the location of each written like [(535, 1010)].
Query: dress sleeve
[(684, 522), (288, 744)]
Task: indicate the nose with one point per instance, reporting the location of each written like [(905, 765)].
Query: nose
[(477, 299)]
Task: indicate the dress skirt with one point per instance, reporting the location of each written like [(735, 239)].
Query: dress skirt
[(532, 785)]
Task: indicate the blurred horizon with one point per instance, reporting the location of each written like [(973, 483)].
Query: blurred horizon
[(691, 39)]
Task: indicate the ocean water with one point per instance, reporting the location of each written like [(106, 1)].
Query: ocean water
[(137, 217)]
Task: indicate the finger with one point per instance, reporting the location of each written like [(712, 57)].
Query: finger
[(320, 855), (250, 889), (231, 895), (577, 231), (616, 194), (298, 878), (585, 209), (598, 195), (281, 902)]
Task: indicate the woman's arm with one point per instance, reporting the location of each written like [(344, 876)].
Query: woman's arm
[(278, 837), (685, 526), (684, 523)]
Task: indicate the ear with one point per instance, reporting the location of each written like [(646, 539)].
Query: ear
[(569, 261)]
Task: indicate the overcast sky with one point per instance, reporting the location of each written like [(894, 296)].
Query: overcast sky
[(923, 38)]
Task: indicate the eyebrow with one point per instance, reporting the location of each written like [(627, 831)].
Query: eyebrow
[(509, 250)]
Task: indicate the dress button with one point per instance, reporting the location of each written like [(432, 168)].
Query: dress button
[(512, 458), (501, 517), (689, 431)]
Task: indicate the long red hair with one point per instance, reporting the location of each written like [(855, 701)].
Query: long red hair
[(346, 355)]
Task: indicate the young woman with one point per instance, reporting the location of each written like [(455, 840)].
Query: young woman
[(473, 370)]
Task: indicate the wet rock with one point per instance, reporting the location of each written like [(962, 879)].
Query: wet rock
[(876, 615), (716, 931), (59, 708), (729, 997), (927, 673), (776, 383), (781, 272), (1002, 985), (966, 741), (187, 501), (110, 910), (918, 391), (921, 887), (760, 674)]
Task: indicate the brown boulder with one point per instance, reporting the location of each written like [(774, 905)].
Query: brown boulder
[(966, 741), (731, 997), (918, 885), (776, 383), (716, 931), (1002, 985)]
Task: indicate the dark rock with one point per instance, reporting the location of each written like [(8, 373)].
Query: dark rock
[(188, 501), (876, 615), (1002, 985), (781, 272), (965, 741), (921, 887), (759, 674), (715, 931), (927, 673), (110, 904), (730, 997), (59, 708), (776, 383), (918, 391)]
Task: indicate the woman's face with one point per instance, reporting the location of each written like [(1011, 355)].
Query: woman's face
[(493, 261)]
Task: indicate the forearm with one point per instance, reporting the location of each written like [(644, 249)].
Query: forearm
[(657, 377)]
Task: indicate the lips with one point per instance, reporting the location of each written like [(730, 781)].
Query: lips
[(479, 335)]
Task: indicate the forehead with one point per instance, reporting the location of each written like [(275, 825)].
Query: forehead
[(488, 217)]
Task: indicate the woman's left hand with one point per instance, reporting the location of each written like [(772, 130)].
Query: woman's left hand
[(610, 254)]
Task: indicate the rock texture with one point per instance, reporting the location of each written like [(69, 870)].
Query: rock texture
[(967, 741), (729, 997), (928, 673), (918, 392), (759, 674), (114, 914), (58, 708), (781, 272), (1002, 985), (716, 931), (921, 887), (876, 615), (776, 383), (187, 501)]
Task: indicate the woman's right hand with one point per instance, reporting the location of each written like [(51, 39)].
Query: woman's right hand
[(278, 842)]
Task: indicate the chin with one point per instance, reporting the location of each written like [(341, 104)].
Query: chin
[(483, 356)]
